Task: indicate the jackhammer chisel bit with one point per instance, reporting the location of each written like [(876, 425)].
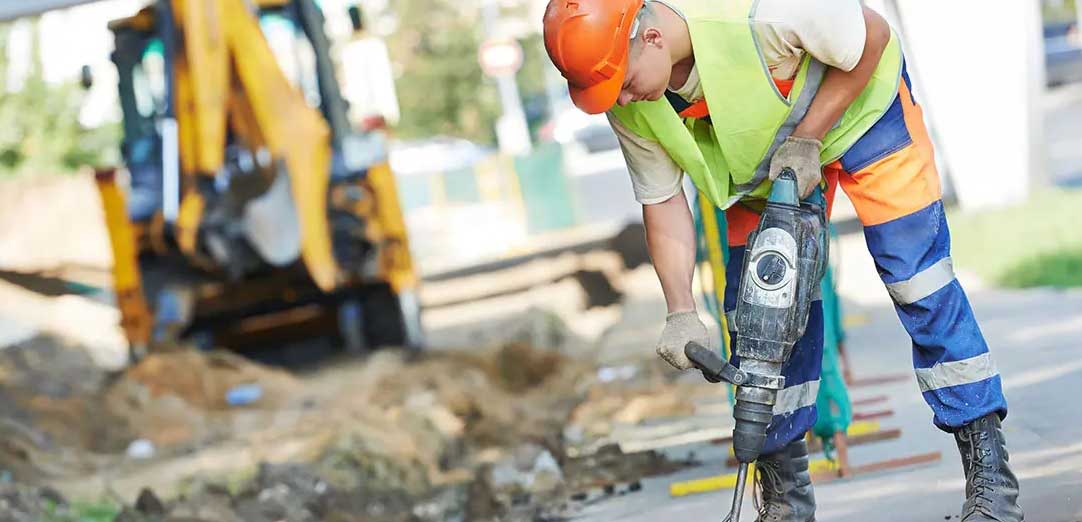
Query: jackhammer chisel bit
[(782, 267)]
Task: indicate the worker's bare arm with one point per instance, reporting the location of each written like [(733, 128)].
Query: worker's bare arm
[(841, 87), (670, 239)]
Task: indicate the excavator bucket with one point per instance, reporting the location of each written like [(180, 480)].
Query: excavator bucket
[(292, 131)]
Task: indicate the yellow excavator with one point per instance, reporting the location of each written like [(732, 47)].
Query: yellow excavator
[(255, 213)]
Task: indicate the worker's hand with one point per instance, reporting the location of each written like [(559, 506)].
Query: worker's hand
[(801, 155), (681, 328)]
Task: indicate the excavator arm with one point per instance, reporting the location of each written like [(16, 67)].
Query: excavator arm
[(242, 88), (242, 162)]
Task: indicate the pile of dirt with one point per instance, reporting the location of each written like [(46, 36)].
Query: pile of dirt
[(502, 397), (50, 404), (62, 415), (203, 379), (180, 397), (454, 435)]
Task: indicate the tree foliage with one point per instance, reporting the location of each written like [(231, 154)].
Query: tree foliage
[(39, 125), (441, 88)]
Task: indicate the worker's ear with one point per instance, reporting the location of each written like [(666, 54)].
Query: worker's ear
[(652, 36)]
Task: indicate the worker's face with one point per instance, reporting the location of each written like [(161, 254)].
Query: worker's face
[(648, 70)]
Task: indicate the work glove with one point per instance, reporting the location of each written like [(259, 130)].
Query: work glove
[(801, 155), (681, 328)]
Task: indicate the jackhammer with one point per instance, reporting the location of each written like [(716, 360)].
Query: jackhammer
[(783, 264)]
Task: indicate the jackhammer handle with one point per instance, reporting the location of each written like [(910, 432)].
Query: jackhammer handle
[(706, 360)]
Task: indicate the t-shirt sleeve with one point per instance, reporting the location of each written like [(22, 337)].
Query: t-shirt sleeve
[(655, 177), (830, 30)]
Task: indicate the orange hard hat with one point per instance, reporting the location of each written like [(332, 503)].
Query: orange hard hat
[(588, 41)]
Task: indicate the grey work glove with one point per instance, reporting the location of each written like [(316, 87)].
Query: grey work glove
[(801, 155), (681, 328)]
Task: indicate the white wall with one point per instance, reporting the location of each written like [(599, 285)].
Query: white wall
[(980, 69)]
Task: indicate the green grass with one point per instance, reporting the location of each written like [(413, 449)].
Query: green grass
[(1037, 243), (104, 511)]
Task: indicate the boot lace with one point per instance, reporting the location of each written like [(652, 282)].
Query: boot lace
[(981, 473), (766, 489)]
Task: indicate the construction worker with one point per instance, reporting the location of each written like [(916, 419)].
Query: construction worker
[(732, 91)]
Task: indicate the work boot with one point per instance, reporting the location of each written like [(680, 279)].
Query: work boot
[(991, 487), (785, 485)]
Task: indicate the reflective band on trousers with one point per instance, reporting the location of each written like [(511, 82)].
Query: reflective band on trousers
[(795, 397), (924, 283), (943, 375)]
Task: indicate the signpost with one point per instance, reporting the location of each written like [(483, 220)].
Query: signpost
[(500, 58)]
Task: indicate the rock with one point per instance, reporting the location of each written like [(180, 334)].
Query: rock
[(20, 503), (284, 492), (209, 504), (148, 503), (46, 366), (447, 505), (133, 515), (530, 475), (609, 465), (382, 449), (51, 495)]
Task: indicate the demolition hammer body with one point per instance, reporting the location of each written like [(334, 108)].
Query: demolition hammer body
[(783, 264)]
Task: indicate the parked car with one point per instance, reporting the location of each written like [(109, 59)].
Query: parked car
[(1062, 53), (592, 131)]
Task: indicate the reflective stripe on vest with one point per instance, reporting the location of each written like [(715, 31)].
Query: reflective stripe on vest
[(815, 71)]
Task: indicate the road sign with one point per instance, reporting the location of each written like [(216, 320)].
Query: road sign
[(500, 57)]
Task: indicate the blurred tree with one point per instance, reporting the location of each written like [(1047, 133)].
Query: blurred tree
[(440, 85), (1058, 11), (39, 123)]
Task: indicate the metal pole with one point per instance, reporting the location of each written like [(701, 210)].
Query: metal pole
[(168, 126), (512, 132)]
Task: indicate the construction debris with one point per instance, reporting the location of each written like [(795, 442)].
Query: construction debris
[(455, 435)]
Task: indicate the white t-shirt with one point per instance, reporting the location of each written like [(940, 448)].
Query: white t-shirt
[(830, 30)]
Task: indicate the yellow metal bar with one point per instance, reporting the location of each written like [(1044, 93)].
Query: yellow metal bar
[(728, 480), (293, 131), (135, 317), (188, 220), (201, 103), (396, 262)]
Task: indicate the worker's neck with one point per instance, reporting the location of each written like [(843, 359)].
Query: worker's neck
[(679, 39)]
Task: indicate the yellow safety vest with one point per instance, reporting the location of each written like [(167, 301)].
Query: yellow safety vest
[(729, 158)]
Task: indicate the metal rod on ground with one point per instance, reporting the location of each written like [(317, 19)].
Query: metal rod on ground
[(870, 400), (868, 415)]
